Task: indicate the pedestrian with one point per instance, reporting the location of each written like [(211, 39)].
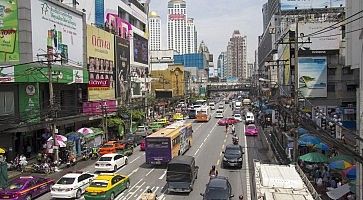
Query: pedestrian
[(343, 138), (339, 183)]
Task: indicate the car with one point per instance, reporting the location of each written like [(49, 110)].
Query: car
[(178, 117), (218, 188), (219, 113), (111, 147), (133, 139), (142, 145), (163, 121), (72, 185), (237, 116), (221, 106), (212, 105), (233, 156), (106, 186), (250, 119), (110, 162), (26, 188), (229, 121), (251, 129), (143, 131)]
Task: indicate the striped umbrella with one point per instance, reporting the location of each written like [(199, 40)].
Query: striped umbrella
[(340, 165)]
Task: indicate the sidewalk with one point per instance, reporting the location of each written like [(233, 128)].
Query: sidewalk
[(56, 175)]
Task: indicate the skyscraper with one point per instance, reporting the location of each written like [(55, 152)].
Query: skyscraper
[(181, 29), (221, 65), (155, 31), (237, 56)]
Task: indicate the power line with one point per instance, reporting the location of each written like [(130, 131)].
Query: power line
[(338, 34)]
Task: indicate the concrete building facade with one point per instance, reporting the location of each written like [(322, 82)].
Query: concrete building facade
[(154, 31), (237, 56)]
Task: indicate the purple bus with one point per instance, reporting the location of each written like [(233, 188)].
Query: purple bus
[(157, 150)]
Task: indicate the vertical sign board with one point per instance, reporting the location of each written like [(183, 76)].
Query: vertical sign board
[(29, 102), (122, 59), (9, 33), (312, 74)]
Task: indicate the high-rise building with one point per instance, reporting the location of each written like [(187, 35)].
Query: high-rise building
[(250, 67), (154, 31), (181, 29), (237, 56), (221, 67)]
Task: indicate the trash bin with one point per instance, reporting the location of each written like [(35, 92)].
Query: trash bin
[(3, 174)]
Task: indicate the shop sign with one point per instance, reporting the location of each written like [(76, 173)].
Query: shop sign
[(57, 30), (9, 33), (349, 111), (99, 107), (6, 74), (29, 105)]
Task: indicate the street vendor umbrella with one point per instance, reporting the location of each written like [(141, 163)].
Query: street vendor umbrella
[(342, 157), (308, 139), (2, 151), (350, 173), (322, 146), (314, 157), (340, 164), (59, 138), (85, 131), (302, 131)]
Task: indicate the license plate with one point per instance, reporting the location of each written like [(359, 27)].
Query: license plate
[(6, 197)]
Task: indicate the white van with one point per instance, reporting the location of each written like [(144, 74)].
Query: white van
[(219, 113), (246, 102), (238, 105), (250, 119)]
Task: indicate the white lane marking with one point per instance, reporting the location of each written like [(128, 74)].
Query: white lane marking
[(247, 167), (132, 186), (147, 187), (205, 139), (150, 171), (196, 152), (198, 127), (129, 194), (162, 196), (201, 145), (135, 159), (162, 176), (133, 171)]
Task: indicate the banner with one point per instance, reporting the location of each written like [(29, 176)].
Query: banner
[(99, 107), (141, 54), (101, 65), (312, 74), (29, 106), (329, 39), (9, 33), (122, 59), (310, 4), (57, 30)]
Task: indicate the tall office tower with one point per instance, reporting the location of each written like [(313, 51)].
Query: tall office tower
[(237, 53), (155, 31), (181, 29)]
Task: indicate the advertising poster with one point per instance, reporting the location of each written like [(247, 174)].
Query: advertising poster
[(326, 40), (101, 64), (9, 34), (313, 76), (311, 4), (122, 59), (57, 30), (29, 102), (6, 74), (140, 49)]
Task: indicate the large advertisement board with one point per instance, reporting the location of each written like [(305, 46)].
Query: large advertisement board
[(141, 53), (310, 4), (329, 39), (29, 102), (122, 59), (57, 30), (312, 73), (100, 59), (9, 33)]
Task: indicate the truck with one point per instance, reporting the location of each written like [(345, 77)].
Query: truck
[(238, 105), (280, 182)]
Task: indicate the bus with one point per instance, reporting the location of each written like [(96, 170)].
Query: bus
[(200, 102), (167, 143), (203, 114), (192, 113)]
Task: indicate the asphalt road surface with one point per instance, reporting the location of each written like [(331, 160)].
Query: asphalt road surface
[(209, 140)]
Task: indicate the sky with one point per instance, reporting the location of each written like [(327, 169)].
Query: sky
[(216, 20)]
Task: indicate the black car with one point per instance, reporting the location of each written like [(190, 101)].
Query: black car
[(218, 188), (133, 139), (233, 156)]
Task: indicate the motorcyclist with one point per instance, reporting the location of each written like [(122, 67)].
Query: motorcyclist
[(235, 139), (226, 127), (233, 129), (213, 172)]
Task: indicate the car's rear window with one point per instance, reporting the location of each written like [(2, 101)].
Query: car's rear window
[(251, 127), (105, 158), (15, 186), (66, 181)]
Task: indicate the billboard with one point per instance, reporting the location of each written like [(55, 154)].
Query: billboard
[(141, 53), (310, 4), (326, 40), (57, 30), (99, 107), (100, 62), (122, 59), (9, 33), (6, 74), (29, 102), (312, 74)]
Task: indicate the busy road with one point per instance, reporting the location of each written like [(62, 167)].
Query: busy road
[(209, 141)]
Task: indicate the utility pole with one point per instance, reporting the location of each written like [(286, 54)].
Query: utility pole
[(104, 117), (296, 61)]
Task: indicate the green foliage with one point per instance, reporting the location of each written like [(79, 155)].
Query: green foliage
[(137, 115), (114, 122)]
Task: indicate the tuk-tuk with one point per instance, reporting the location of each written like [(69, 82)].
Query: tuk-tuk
[(163, 121)]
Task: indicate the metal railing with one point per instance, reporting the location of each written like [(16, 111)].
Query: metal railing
[(307, 182)]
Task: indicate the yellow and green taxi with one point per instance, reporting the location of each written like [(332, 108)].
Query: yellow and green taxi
[(164, 121), (106, 186), (178, 116)]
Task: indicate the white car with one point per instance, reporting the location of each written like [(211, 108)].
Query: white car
[(237, 116), (111, 162), (219, 113), (72, 185), (221, 106)]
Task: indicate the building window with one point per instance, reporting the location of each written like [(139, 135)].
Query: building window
[(347, 70), (6, 103), (351, 88), (331, 87)]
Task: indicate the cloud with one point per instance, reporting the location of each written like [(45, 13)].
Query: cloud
[(216, 20)]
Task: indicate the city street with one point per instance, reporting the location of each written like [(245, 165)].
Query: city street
[(209, 141)]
